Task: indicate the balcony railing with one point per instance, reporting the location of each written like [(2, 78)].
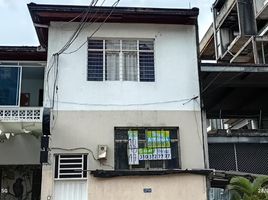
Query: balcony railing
[(21, 114)]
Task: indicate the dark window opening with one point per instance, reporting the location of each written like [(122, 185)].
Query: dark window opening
[(155, 149)]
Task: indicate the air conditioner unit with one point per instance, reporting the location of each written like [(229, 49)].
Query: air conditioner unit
[(102, 151)]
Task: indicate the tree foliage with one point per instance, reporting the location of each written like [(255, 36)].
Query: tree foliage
[(243, 189)]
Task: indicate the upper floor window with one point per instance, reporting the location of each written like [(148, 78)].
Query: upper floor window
[(10, 78), (121, 60), (146, 148)]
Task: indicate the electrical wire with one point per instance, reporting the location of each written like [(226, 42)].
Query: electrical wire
[(56, 79), (75, 149), (96, 30), (79, 28), (83, 148), (72, 39), (47, 77), (66, 23), (185, 101)]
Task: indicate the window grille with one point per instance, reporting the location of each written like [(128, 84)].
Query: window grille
[(122, 150), (121, 60), (71, 166)]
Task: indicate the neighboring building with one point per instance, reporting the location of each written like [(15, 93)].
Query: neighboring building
[(238, 33), (21, 109), (124, 97), (234, 89)]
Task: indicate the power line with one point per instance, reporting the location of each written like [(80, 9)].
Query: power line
[(78, 30), (114, 5), (73, 38), (134, 104)]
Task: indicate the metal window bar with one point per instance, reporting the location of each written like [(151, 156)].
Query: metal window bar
[(70, 166), (142, 69), (148, 163)]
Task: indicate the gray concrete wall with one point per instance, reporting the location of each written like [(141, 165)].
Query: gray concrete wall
[(88, 129), (20, 150)]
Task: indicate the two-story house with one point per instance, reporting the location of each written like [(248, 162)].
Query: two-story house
[(122, 85), (21, 110)]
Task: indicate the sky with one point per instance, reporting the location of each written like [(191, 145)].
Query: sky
[(16, 26)]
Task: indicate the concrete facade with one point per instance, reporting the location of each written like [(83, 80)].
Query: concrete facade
[(88, 129), (176, 71), (97, 127), (173, 187), (86, 112)]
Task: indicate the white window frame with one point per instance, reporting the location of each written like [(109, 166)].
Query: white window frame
[(58, 167), (18, 87), (121, 51)]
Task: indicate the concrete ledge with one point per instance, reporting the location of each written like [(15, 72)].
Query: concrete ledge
[(116, 173)]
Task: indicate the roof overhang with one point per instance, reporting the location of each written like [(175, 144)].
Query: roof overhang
[(207, 46), (42, 15), (22, 53)]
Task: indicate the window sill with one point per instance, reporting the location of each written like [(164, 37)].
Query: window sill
[(116, 173)]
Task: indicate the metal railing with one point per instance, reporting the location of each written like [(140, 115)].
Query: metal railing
[(21, 114)]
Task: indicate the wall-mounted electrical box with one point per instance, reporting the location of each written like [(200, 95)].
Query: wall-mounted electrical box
[(102, 151)]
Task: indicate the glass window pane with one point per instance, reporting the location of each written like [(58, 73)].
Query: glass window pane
[(121, 157), (121, 134), (157, 164), (9, 87), (140, 166), (112, 44), (129, 44), (112, 70), (95, 44), (130, 67), (173, 134), (174, 163), (147, 66), (146, 45), (95, 66)]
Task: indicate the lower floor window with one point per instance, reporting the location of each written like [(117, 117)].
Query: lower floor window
[(70, 166), (146, 148)]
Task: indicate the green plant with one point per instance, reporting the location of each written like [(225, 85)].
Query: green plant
[(243, 189)]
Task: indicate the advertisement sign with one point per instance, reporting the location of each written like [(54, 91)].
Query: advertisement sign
[(157, 146)]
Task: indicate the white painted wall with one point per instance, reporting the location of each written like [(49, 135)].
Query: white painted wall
[(70, 190), (175, 68)]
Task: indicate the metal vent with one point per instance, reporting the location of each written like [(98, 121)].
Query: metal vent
[(249, 158), (71, 166)]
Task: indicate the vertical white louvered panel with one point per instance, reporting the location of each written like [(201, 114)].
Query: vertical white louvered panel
[(70, 190)]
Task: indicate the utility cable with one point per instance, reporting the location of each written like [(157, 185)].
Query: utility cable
[(134, 104), (98, 28)]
